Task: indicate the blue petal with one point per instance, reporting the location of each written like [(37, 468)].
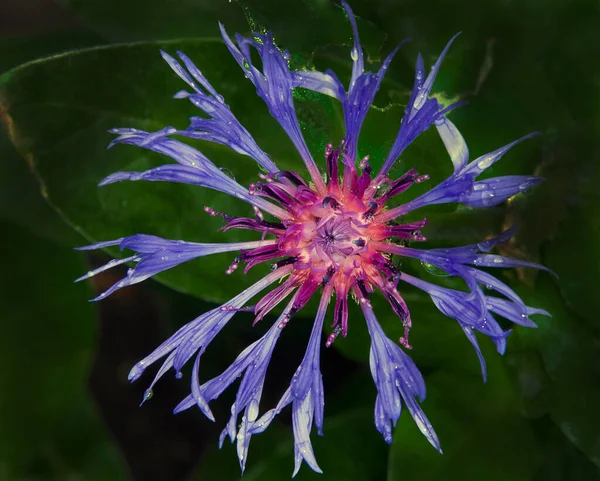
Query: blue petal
[(454, 142), (490, 192), (274, 85)]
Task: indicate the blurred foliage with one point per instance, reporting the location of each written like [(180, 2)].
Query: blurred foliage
[(48, 425), (523, 66)]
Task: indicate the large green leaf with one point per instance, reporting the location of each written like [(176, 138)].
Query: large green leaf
[(59, 125), (573, 252), (20, 199), (136, 20), (48, 424), (480, 430), (563, 379)]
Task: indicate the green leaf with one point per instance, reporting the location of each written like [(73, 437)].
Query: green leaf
[(562, 460), (573, 252), (60, 125), (48, 425), (566, 383), (20, 199), (136, 20), (481, 433)]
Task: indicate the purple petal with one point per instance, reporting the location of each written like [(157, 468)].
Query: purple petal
[(486, 161), (302, 415), (454, 142), (205, 324), (396, 377), (274, 85), (223, 127), (490, 192), (195, 168), (420, 113), (157, 255), (473, 340)]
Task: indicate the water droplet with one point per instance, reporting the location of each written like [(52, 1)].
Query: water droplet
[(354, 54), (253, 411), (498, 260), (148, 393), (434, 270), (485, 163), (487, 198), (420, 100), (382, 188), (227, 172)]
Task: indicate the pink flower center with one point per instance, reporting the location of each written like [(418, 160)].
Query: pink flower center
[(330, 239)]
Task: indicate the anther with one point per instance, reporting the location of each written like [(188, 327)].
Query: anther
[(372, 208), (331, 202), (283, 262), (359, 242), (327, 277)]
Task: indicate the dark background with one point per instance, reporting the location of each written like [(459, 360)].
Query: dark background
[(67, 411)]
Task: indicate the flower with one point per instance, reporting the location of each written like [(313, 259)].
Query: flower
[(327, 235)]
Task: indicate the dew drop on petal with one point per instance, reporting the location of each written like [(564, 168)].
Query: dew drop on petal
[(227, 172), (434, 270), (148, 393), (485, 163), (253, 411)]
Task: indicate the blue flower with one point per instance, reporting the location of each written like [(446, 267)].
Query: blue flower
[(327, 235)]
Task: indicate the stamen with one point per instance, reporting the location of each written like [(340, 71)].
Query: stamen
[(237, 309), (266, 177), (332, 337), (293, 177), (327, 277), (283, 262), (404, 339), (331, 202), (364, 164), (372, 208), (284, 321), (234, 265), (258, 214), (214, 213), (363, 289)]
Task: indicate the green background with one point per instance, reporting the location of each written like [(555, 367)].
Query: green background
[(75, 68)]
